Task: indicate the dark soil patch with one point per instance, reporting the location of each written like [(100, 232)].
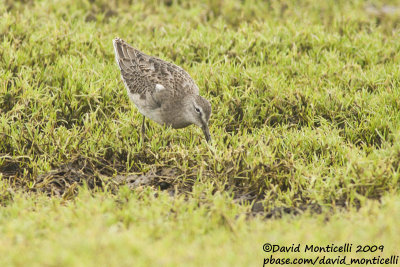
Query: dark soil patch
[(12, 169), (99, 174), (65, 180), (278, 212), (160, 178)]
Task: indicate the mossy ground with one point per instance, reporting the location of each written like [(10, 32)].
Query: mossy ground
[(305, 98)]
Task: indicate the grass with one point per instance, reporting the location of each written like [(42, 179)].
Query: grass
[(141, 229), (305, 98)]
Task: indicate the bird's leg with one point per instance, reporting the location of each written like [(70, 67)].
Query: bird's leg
[(143, 129)]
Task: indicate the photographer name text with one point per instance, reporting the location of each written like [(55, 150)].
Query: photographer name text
[(344, 248)]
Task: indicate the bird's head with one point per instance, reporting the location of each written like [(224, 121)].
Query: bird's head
[(198, 112)]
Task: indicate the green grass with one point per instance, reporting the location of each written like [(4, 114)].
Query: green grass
[(137, 228), (306, 116)]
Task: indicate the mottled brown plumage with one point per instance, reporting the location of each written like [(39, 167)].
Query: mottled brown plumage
[(161, 90)]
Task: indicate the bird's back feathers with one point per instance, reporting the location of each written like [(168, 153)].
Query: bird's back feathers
[(142, 73)]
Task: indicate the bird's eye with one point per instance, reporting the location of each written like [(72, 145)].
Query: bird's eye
[(197, 110)]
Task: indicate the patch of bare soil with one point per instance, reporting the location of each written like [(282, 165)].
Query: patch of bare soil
[(99, 174), (161, 178), (278, 212), (64, 180)]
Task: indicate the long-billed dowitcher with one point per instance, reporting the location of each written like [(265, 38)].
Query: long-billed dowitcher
[(161, 90)]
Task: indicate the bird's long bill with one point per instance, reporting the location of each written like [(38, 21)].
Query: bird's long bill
[(206, 132)]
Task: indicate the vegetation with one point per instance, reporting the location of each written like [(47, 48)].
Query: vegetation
[(305, 120), (136, 228)]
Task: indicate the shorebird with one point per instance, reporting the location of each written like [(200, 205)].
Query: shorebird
[(161, 90)]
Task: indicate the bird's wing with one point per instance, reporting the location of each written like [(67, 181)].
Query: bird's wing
[(154, 70), (135, 80)]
